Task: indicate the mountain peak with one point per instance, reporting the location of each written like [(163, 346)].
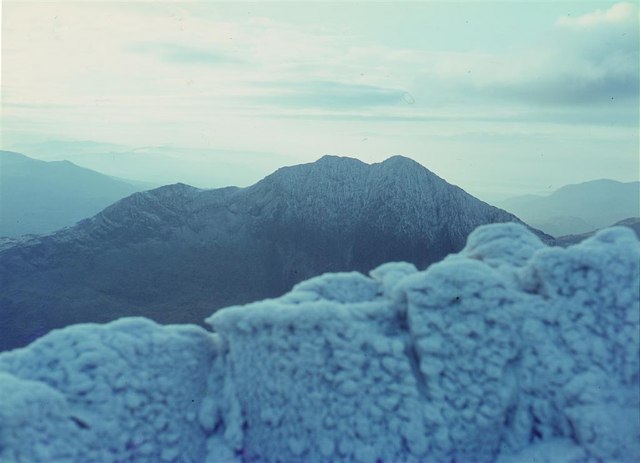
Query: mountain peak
[(393, 161), (332, 158), (175, 188), (337, 161), (399, 160), (401, 164)]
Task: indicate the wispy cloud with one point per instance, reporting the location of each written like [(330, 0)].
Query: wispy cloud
[(181, 54), (618, 13), (328, 95), (608, 116)]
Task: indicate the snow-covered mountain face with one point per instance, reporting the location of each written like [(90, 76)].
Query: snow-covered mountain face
[(41, 197), (580, 208), (177, 253)]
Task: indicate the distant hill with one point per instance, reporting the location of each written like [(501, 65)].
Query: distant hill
[(632, 223), (40, 197), (163, 164), (580, 208), (177, 253)]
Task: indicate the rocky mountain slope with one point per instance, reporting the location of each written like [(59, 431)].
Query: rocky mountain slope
[(177, 253)]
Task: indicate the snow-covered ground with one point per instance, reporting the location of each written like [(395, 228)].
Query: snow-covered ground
[(509, 351)]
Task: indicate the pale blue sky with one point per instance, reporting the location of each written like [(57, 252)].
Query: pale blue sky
[(500, 98)]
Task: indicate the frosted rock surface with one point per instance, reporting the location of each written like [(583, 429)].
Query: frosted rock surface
[(37, 423), (127, 391), (507, 352)]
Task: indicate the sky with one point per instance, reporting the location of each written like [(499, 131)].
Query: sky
[(500, 98)]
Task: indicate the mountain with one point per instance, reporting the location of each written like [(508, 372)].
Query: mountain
[(161, 164), (580, 208), (633, 223), (177, 253), (40, 197)]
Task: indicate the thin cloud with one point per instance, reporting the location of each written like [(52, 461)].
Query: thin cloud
[(38, 106), (574, 89), (181, 54), (606, 116), (618, 13), (328, 95)]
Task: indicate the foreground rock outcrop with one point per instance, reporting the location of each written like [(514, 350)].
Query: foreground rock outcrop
[(509, 351)]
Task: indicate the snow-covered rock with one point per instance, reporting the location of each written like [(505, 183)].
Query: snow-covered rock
[(509, 351), (127, 391)]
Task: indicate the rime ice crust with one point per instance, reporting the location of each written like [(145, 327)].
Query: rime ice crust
[(509, 351), (127, 391)]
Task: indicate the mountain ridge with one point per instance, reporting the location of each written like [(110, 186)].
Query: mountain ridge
[(43, 196), (631, 222), (176, 253), (578, 208)]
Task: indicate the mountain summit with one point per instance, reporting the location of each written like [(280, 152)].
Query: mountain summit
[(176, 253)]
